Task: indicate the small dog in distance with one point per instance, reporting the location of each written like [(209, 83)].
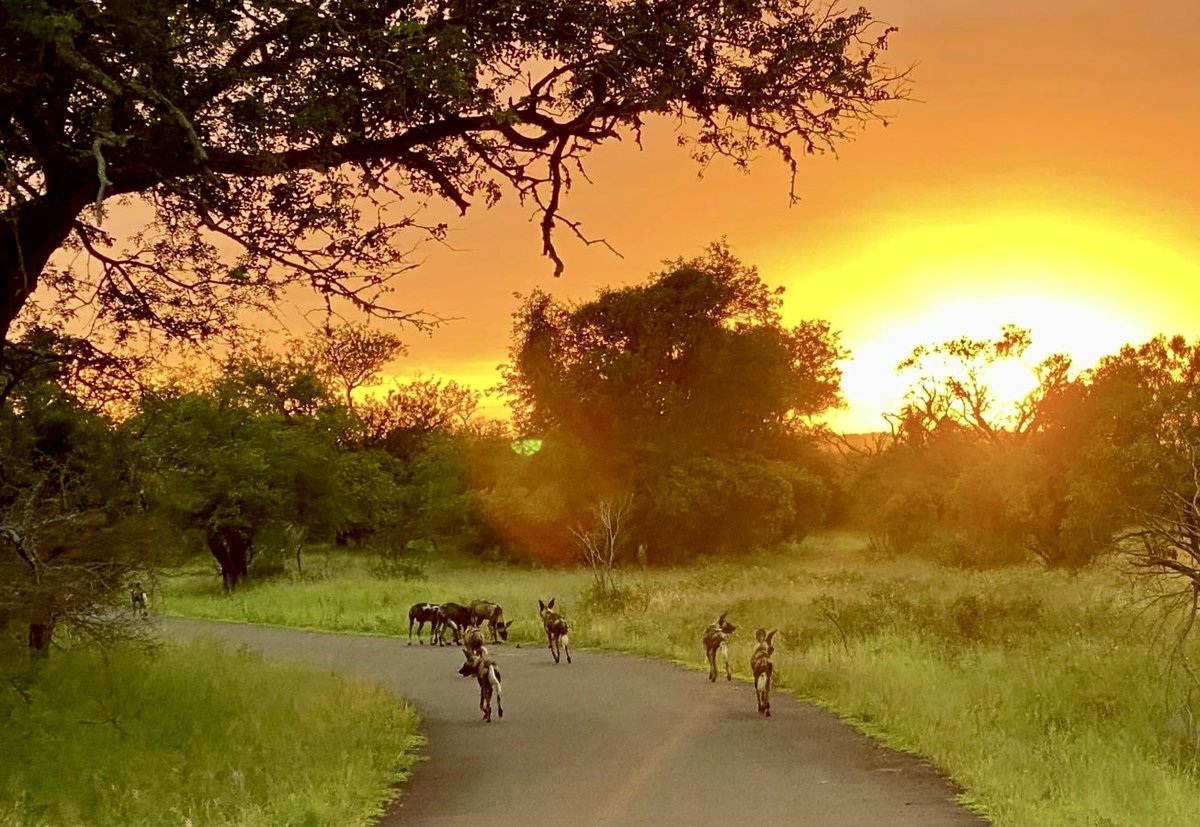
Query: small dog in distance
[(556, 630), (137, 596), (484, 610), (714, 644), (422, 613), (763, 669), (456, 618)]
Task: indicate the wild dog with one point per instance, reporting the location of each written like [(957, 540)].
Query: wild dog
[(422, 613), (480, 664), (556, 630), (484, 610), (763, 669), (472, 639), (457, 617), (714, 644), (137, 596)]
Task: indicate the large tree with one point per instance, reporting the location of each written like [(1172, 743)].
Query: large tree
[(687, 390), (283, 141)]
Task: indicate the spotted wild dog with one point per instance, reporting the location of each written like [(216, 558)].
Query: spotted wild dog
[(422, 613), (480, 664), (137, 596), (456, 618), (762, 668), (556, 630), (714, 644), (484, 610), (472, 638)]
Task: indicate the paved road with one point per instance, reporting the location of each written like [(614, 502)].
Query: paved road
[(616, 740)]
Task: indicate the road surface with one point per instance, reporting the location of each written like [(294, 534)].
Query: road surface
[(615, 740)]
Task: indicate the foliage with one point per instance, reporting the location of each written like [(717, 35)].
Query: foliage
[(290, 133), (351, 356), (196, 734), (74, 526), (687, 390)]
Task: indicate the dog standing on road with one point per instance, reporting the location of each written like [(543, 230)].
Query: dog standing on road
[(556, 630), (456, 618), (480, 664), (714, 644), (763, 669), (422, 613), (484, 610)]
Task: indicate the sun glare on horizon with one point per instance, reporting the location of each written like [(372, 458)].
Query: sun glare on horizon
[(1083, 286)]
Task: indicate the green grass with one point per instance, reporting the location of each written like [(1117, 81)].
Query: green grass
[(1041, 694), (197, 735)]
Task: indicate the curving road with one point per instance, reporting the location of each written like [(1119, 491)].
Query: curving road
[(616, 740)]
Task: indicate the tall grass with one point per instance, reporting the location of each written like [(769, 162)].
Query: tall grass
[(196, 735), (1044, 695)]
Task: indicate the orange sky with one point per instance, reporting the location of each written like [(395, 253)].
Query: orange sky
[(1048, 174)]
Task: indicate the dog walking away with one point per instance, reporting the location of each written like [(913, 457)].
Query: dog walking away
[(456, 617), (137, 596), (480, 664), (556, 630), (422, 613), (762, 669), (714, 644), (484, 610)]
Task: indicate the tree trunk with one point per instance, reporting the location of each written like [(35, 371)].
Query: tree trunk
[(231, 545), (30, 233), (40, 635)]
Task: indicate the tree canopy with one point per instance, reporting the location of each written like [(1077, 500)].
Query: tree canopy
[(686, 390), (286, 142)]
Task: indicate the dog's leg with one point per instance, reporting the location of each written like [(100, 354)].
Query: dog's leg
[(724, 652), (767, 691), (494, 679), (567, 646), (711, 655)]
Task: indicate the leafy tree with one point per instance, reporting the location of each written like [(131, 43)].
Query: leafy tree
[(74, 527), (691, 374), (351, 356), (950, 385), (289, 131), (696, 356), (256, 451), (413, 412)]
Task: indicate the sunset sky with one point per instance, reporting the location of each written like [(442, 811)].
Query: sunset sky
[(1047, 173)]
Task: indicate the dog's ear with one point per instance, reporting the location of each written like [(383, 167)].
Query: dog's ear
[(770, 635), (550, 605), (721, 619), (541, 606)]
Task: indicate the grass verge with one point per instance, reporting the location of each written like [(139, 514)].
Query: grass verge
[(196, 735)]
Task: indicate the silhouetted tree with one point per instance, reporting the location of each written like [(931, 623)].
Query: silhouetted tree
[(642, 381), (296, 134)]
